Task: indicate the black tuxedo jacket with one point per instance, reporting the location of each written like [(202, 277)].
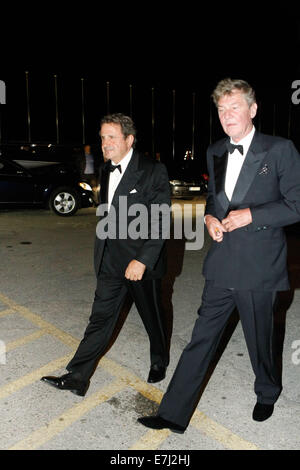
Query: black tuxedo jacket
[(254, 257), (145, 181)]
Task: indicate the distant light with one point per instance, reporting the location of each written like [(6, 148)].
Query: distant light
[(2, 92)]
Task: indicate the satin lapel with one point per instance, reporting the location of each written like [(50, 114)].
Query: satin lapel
[(249, 170), (220, 166), (104, 184)]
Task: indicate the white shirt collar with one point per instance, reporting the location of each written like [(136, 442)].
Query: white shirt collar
[(245, 141), (125, 160)]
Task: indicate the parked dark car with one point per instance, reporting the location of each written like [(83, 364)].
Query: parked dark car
[(187, 180), (47, 184), (42, 152)]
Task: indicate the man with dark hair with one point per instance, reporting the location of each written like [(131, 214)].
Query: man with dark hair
[(125, 122), (88, 170), (123, 265), (253, 192)]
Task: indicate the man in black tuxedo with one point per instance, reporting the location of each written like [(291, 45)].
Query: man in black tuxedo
[(254, 191), (125, 263)]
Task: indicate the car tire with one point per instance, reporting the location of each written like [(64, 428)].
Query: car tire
[(64, 201)]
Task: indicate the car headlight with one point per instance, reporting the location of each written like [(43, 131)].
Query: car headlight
[(85, 186)]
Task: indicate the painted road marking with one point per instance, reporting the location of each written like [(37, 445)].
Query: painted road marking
[(7, 311), (38, 321), (219, 433), (24, 340), (151, 440), (33, 376), (202, 422), (45, 433)]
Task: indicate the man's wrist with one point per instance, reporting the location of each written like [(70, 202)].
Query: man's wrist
[(207, 215)]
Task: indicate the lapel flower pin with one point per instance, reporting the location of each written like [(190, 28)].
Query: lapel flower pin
[(264, 170)]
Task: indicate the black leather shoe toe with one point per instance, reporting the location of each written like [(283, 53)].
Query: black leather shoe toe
[(156, 374), (68, 382), (261, 411), (157, 422)]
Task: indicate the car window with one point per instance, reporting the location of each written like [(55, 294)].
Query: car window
[(7, 169), (18, 151)]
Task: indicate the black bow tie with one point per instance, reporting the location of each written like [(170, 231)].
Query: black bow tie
[(231, 148), (113, 167)]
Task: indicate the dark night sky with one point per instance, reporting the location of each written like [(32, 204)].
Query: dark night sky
[(179, 47)]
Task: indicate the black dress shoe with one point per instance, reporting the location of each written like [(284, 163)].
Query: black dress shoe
[(156, 374), (157, 422), (68, 382), (261, 411)]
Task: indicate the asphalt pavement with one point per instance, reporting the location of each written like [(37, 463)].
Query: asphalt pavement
[(46, 292)]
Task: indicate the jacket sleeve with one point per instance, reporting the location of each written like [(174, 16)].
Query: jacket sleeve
[(210, 205), (285, 210), (159, 214)]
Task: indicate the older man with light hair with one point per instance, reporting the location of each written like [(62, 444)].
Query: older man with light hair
[(254, 191)]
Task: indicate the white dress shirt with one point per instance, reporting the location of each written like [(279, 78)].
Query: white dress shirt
[(235, 163), (115, 176)]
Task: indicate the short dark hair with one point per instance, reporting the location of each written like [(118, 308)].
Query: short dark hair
[(126, 123)]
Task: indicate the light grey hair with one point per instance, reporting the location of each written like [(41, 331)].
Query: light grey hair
[(228, 85)]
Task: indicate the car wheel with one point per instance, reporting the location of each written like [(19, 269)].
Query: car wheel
[(64, 201)]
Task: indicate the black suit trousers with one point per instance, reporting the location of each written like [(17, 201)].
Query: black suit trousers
[(109, 299), (256, 315)]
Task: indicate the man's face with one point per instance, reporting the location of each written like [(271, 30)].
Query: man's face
[(235, 115), (114, 145)]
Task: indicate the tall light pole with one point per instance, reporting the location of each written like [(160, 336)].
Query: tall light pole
[(289, 121), (2, 102), (153, 124), (210, 121), (107, 98), (274, 118), (56, 109), (130, 101), (173, 125), (28, 107), (82, 111), (193, 125)]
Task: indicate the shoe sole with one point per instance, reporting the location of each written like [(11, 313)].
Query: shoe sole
[(155, 381), (80, 393), (176, 431), (260, 419), (159, 428)]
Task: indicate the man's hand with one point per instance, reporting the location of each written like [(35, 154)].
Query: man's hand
[(135, 270), (215, 228), (237, 219)]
